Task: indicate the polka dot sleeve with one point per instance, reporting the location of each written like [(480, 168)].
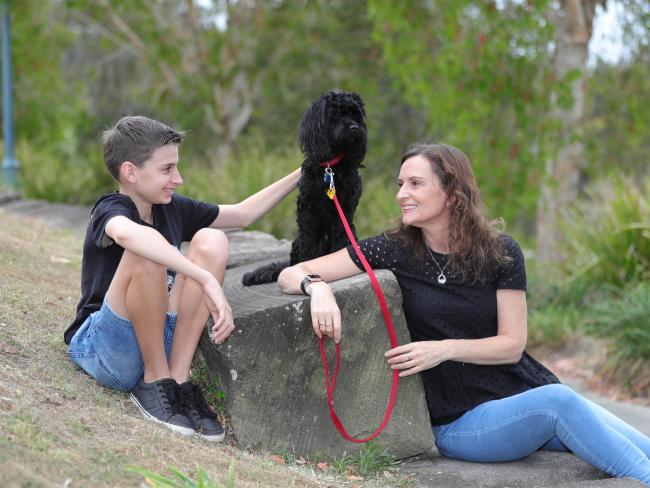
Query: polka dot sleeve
[(376, 251), (512, 275)]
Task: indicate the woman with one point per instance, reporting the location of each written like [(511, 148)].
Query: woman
[(463, 285)]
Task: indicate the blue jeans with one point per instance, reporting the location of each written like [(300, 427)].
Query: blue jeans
[(549, 417), (106, 348)]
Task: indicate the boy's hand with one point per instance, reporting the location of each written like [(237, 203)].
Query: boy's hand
[(220, 310)]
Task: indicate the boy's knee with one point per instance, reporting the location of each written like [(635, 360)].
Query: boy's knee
[(211, 244)]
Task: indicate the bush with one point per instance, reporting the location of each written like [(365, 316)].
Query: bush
[(608, 237), (249, 172), (556, 306), (625, 321), (62, 173), (242, 176), (552, 326)]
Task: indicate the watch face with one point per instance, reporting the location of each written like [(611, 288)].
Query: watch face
[(314, 277)]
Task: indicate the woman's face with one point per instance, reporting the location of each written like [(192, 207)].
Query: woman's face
[(421, 196)]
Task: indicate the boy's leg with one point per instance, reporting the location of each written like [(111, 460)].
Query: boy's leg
[(208, 249), (139, 292), (127, 340)]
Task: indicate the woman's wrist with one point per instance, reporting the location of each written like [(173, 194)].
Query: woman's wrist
[(457, 350), (315, 286)]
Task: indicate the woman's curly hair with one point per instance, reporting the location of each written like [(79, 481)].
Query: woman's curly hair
[(474, 241)]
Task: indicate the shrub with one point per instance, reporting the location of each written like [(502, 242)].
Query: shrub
[(62, 173), (249, 172), (625, 321), (240, 177), (608, 237), (556, 306), (552, 326)]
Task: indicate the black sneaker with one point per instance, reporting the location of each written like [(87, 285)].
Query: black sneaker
[(196, 408), (158, 401)]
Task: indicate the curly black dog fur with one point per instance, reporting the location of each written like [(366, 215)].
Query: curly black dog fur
[(334, 125)]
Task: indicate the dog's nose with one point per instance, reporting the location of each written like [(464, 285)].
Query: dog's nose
[(354, 128)]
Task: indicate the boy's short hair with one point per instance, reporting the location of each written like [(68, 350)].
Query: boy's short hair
[(134, 139)]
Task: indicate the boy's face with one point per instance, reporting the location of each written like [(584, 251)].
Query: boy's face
[(158, 176)]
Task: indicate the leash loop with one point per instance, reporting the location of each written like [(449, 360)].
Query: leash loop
[(330, 382)]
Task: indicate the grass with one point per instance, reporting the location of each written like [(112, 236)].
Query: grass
[(371, 460), (57, 425)]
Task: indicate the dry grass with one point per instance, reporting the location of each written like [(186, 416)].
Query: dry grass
[(58, 424)]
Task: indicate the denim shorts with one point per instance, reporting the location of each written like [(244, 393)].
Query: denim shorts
[(106, 348)]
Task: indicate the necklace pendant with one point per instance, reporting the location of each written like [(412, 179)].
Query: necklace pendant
[(442, 279)]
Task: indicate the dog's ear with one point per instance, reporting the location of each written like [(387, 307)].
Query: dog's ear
[(357, 98), (312, 133)]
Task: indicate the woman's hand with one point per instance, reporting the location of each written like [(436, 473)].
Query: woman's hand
[(414, 357), (325, 313)]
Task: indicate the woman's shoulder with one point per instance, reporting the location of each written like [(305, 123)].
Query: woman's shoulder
[(511, 248), (381, 250)]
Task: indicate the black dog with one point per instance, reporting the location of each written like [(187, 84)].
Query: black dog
[(333, 130)]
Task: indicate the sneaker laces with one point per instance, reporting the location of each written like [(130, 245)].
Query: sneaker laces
[(170, 398), (193, 399)]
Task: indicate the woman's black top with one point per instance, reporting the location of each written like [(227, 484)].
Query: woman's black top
[(456, 310)]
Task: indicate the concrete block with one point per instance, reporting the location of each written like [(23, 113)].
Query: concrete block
[(249, 246), (271, 371)]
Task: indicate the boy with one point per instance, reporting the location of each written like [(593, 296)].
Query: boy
[(138, 323)]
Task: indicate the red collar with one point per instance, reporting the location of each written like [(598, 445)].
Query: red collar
[(333, 162)]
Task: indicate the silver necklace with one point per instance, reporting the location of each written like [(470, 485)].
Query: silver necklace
[(442, 279)]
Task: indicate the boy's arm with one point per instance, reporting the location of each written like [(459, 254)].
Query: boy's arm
[(150, 244), (244, 213)]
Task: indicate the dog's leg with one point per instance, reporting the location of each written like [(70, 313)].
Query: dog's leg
[(264, 274)]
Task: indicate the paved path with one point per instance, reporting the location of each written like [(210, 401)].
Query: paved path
[(544, 468)]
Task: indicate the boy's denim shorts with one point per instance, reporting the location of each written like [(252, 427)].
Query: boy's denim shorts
[(106, 348)]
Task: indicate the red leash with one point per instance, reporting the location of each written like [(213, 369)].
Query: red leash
[(330, 383)]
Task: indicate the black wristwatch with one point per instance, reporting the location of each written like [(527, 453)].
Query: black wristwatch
[(311, 278)]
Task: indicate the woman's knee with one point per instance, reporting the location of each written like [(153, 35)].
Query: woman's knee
[(210, 244), (559, 398)]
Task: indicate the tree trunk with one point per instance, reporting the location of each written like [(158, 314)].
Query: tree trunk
[(573, 28)]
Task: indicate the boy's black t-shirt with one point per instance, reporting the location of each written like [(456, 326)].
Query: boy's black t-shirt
[(177, 221), (456, 310)]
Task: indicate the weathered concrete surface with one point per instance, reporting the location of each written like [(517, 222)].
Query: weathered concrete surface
[(59, 215), (543, 468), (271, 371), (249, 246)]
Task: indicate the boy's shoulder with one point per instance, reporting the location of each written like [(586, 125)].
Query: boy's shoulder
[(112, 201)]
